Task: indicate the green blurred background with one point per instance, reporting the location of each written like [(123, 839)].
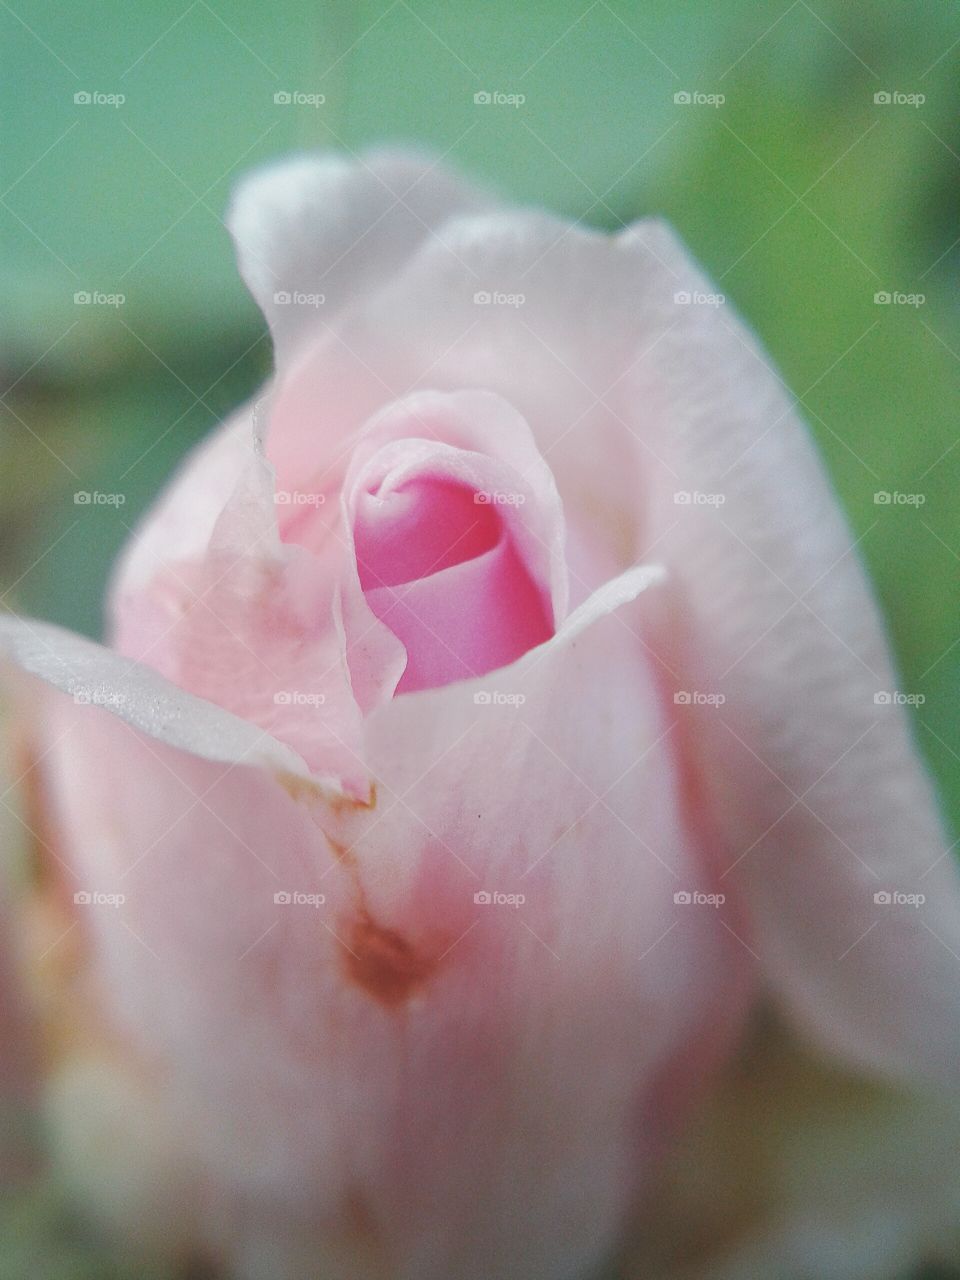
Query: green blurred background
[(803, 196)]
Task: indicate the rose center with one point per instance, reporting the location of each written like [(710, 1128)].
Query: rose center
[(438, 565), (419, 529)]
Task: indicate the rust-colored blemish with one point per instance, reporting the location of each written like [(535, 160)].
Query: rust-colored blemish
[(359, 1219), (52, 948), (306, 791), (348, 804), (383, 963), (298, 788), (343, 853), (360, 1234)]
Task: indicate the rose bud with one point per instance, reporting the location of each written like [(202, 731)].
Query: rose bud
[(487, 732)]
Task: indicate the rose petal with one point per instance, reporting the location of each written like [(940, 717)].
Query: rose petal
[(473, 616), (508, 1056), (95, 676), (818, 794), (179, 524), (332, 229), (231, 613)]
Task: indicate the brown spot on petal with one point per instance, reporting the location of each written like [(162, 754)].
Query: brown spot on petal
[(52, 944), (343, 853), (298, 788), (383, 963), (347, 804), (306, 791)]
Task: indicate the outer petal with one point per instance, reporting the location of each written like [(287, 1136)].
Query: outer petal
[(823, 1173), (209, 596), (817, 792), (179, 525), (402, 1079), (332, 229), (97, 677)]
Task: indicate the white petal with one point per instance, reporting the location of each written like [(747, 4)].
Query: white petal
[(316, 232), (136, 694)]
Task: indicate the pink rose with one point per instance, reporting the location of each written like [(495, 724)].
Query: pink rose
[(489, 723)]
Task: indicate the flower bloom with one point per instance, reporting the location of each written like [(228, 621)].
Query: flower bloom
[(488, 725)]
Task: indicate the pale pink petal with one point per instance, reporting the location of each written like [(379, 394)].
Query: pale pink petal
[(636, 396), (456, 539), (180, 523), (453, 1072), (94, 676), (315, 233), (233, 614)]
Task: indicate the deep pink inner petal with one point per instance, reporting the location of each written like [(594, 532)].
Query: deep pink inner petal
[(441, 571), (420, 528)]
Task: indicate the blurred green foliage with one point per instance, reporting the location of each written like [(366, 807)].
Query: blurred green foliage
[(801, 195)]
